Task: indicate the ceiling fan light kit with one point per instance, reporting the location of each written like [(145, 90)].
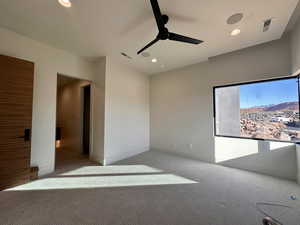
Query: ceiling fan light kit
[(164, 34)]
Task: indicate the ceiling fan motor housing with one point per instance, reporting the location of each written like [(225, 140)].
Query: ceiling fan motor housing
[(165, 18), (164, 34)]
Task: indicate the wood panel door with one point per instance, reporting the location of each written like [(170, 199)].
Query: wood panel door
[(16, 94)]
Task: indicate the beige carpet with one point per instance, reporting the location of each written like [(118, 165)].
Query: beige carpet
[(150, 189)]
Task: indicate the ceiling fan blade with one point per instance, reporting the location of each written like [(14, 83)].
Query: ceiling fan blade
[(181, 38), (148, 45), (157, 14)]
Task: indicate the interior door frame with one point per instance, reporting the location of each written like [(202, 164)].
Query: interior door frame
[(92, 85)]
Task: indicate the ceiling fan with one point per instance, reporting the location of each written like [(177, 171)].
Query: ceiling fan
[(164, 33)]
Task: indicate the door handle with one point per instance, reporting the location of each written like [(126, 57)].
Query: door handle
[(27, 135)]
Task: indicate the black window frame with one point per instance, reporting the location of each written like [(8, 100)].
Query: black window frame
[(253, 82)]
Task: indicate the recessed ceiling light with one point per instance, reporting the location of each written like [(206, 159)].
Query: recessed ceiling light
[(235, 32), (154, 60), (65, 3)]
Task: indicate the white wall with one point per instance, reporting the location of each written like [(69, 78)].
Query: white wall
[(181, 109), (298, 162), (48, 62), (295, 48), (98, 109), (126, 112)]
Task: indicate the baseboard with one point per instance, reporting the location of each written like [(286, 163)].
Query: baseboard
[(45, 170)]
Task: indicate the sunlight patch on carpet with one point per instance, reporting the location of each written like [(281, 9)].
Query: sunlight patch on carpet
[(103, 182)]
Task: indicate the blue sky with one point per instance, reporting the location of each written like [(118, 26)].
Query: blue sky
[(267, 93)]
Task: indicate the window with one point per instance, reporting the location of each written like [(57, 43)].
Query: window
[(261, 110)]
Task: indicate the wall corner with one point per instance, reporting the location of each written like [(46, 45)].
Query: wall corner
[(298, 162)]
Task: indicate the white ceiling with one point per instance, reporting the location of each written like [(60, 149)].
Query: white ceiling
[(94, 28)]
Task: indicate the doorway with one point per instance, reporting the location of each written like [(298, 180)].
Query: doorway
[(73, 121), (86, 119)]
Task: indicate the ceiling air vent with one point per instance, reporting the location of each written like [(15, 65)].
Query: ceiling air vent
[(267, 25)]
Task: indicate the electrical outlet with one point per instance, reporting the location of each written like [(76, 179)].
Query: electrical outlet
[(191, 146)]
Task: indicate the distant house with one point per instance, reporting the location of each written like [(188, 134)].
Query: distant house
[(280, 119)]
